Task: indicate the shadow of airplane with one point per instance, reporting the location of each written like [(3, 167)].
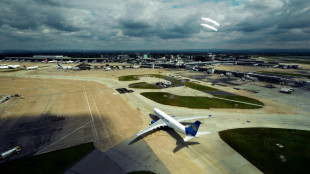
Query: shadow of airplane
[(180, 143), (153, 117)]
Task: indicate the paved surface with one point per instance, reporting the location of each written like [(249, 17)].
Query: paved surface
[(61, 113), (207, 154), (131, 155)]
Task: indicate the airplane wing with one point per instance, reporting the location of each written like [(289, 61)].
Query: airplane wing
[(182, 119), (157, 124)]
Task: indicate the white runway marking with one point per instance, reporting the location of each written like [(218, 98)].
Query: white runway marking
[(9, 106), (92, 117), (103, 124), (63, 137)]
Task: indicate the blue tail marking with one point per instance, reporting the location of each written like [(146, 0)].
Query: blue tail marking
[(193, 128), (59, 65)]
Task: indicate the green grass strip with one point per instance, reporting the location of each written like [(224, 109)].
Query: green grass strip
[(194, 102), (199, 87), (48, 163), (240, 98), (12, 70), (128, 78), (258, 145), (288, 74), (143, 85), (136, 77)]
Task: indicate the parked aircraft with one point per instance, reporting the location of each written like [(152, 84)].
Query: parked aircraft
[(174, 123), (70, 61), (30, 68), (52, 61), (13, 66), (64, 67), (4, 67), (107, 69)]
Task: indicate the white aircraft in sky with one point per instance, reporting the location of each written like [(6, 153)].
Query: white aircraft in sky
[(64, 67), (174, 123), (31, 67)]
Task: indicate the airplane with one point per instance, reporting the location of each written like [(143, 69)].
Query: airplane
[(69, 61), (31, 68), (4, 67), (13, 66), (174, 123), (52, 61), (107, 69), (64, 67)]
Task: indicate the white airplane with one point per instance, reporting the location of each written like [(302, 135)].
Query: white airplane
[(13, 66), (69, 61), (64, 67), (31, 68), (174, 123), (52, 61), (107, 69), (4, 67)]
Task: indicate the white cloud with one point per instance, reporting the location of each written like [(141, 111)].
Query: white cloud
[(139, 24)]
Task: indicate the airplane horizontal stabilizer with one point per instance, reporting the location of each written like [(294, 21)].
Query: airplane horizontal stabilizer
[(202, 133), (188, 137)]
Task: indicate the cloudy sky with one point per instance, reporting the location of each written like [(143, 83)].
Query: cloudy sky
[(153, 24)]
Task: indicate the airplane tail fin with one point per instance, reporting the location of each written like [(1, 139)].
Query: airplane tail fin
[(192, 131), (193, 128), (24, 66), (59, 65)]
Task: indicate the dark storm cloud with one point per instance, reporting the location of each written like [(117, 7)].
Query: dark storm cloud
[(157, 23), (119, 24), (35, 14)]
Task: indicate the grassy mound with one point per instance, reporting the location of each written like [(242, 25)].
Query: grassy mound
[(259, 146), (143, 85), (136, 77), (199, 87), (287, 74), (194, 102), (48, 163), (241, 98)]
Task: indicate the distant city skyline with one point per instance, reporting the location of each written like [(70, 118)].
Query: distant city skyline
[(153, 24)]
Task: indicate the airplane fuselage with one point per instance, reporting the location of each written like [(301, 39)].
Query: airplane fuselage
[(170, 121)]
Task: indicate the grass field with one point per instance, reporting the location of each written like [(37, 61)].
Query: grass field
[(258, 145), (241, 98), (48, 163), (288, 74), (12, 70), (128, 78), (194, 102), (199, 87), (136, 77), (289, 59), (143, 85)]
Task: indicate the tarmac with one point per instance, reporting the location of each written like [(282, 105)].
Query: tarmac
[(94, 111)]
